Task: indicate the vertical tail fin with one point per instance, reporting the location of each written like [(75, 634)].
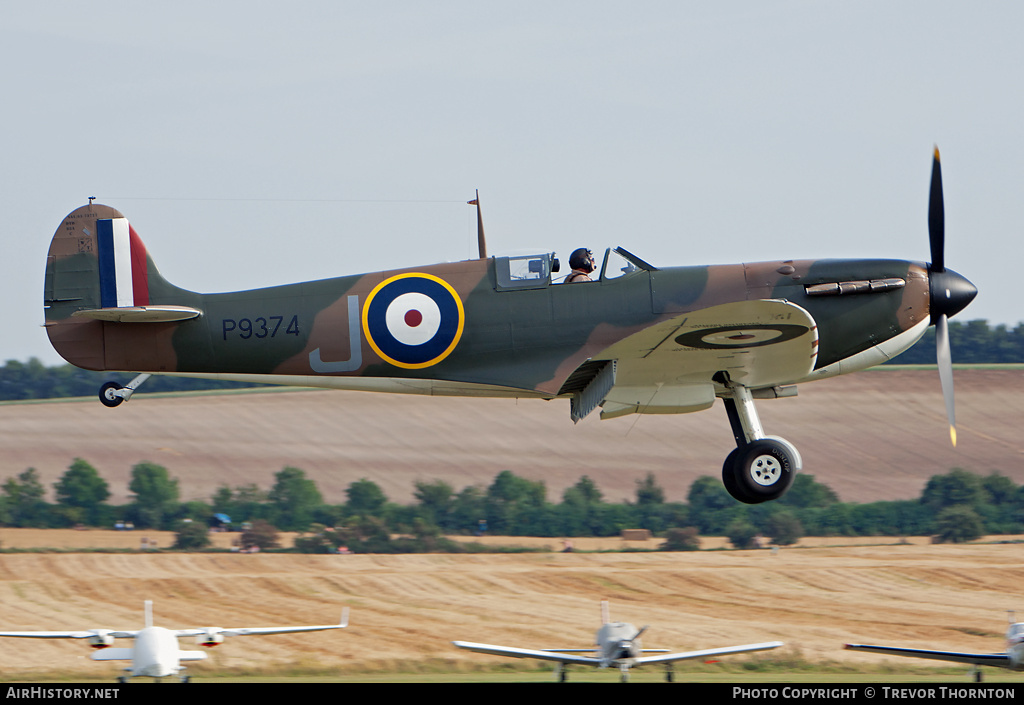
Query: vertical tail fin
[(98, 273), (149, 613), (604, 612)]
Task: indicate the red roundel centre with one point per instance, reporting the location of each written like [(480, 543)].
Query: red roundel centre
[(413, 318)]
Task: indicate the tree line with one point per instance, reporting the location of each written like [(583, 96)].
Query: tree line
[(956, 506), (971, 342), (974, 342)]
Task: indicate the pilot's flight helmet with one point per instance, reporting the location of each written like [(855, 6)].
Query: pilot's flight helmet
[(582, 259)]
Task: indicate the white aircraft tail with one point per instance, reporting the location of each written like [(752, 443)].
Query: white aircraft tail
[(149, 613), (604, 612)]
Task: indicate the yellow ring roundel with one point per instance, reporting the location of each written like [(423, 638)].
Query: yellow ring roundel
[(413, 320)]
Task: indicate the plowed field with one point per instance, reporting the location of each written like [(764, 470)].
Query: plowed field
[(870, 436)]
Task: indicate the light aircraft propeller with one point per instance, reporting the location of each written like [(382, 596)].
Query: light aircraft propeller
[(949, 292), (626, 644)]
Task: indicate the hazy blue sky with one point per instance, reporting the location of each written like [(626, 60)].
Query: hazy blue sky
[(257, 143)]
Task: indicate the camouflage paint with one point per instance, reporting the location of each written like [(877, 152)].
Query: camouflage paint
[(529, 339)]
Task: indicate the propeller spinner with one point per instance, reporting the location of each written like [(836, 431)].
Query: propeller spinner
[(950, 292)]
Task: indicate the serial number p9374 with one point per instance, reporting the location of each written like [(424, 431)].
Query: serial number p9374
[(259, 327)]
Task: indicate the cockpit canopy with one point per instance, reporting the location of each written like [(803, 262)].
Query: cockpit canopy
[(525, 271), (516, 272)]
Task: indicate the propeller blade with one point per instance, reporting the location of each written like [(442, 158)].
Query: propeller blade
[(945, 362), (937, 218)]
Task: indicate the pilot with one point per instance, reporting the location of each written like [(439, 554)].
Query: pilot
[(582, 263)]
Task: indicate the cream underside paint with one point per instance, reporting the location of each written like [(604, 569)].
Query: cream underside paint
[(789, 362), (875, 355)]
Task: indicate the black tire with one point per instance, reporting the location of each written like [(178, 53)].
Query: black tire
[(729, 479), (764, 471), (108, 399)]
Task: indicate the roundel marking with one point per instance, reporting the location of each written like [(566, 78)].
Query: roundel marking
[(413, 320), (734, 337)]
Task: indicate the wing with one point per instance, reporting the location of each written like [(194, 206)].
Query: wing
[(527, 653), (998, 660), (258, 631), (668, 367), (51, 635), (683, 656)]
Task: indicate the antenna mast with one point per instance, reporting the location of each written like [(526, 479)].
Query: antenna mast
[(481, 243)]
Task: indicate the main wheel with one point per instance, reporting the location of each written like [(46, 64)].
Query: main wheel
[(764, 470), (107, 395), (729, 479)]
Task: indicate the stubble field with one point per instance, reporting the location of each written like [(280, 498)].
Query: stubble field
[(406, 609)]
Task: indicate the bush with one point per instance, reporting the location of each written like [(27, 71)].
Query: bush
[(261, 535), (681, 540), (191, 535), (958, 524), (741, 533), (784, 529)]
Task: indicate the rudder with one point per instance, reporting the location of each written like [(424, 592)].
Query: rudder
[(98, 274)]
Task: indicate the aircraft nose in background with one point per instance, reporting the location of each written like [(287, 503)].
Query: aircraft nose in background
[(950, 293)]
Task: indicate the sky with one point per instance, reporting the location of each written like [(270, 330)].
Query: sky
[(261, 143)]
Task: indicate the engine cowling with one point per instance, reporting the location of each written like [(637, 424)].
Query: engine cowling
[(101, 639), (210, 637)]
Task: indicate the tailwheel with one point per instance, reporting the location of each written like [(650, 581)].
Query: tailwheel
[(763, 470), (110, 394)]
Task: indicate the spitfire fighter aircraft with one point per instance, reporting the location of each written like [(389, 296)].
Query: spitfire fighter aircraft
[(156, 653), (636, 339), (616, 644), (1012, 658)]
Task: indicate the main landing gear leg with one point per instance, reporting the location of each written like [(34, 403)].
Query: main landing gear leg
[(112, 393), (761, 468)]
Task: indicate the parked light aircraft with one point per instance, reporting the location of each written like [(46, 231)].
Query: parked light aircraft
[(638, 339), (156, 652), (616, 644), (1012, 658)]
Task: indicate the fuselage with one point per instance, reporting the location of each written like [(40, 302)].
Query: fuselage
[(156, 653), (478, 327), (617, 643)]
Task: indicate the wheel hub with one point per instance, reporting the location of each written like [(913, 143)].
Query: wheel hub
[(765, 470)]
